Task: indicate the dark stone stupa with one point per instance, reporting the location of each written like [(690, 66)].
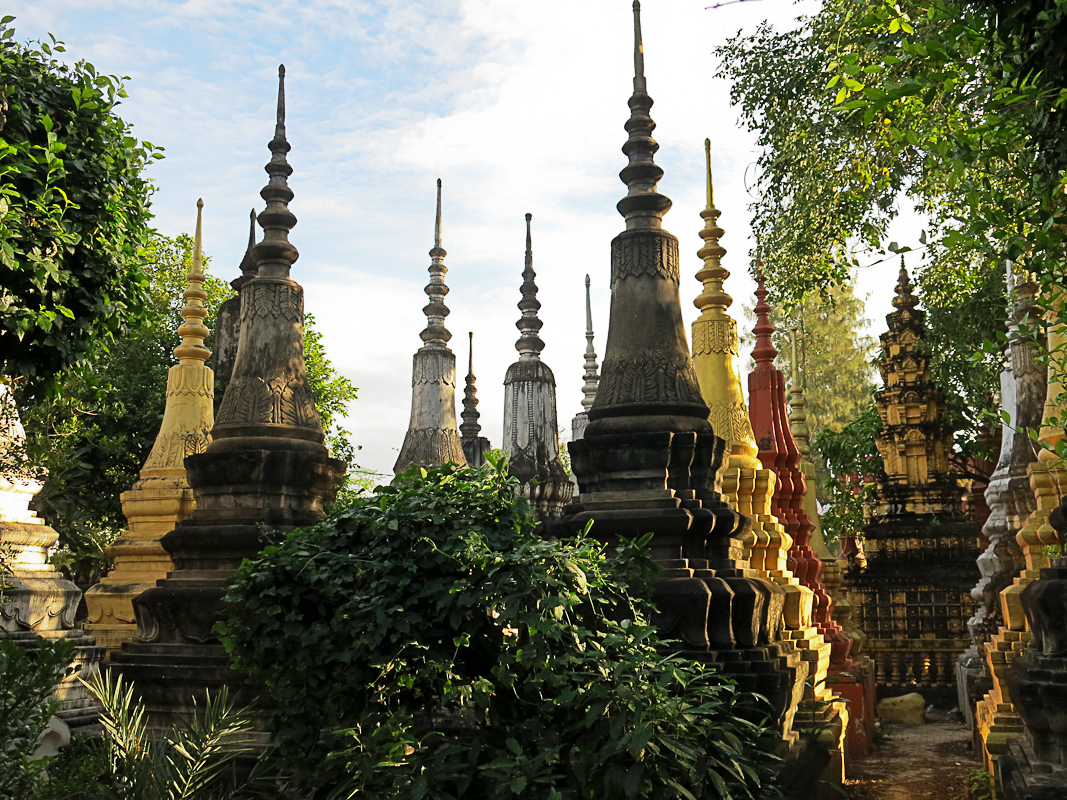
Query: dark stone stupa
[(649, 459), (265, 470)]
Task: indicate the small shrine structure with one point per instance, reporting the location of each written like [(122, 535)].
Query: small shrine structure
[(475, 446), (590, 378)]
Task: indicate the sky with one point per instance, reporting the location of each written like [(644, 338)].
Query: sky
[(517, 106)]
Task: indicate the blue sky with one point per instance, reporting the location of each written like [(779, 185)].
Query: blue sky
[(517, 106)]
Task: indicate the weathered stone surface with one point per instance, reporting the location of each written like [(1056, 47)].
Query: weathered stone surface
[(908, 709), (265, 471), (531, 435), (39, 602), (590, 378), (475, 446), (997, 719), (432, 437), (1008, 496), (649, 460)]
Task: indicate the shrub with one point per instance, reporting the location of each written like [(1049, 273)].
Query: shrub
[(425, 642), (27, 679)]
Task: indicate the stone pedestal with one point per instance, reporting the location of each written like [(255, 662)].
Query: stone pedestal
[(40, 602), (1035, 765)]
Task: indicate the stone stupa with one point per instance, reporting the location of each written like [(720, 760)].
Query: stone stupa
[(649, 460), (531, 438), (265, 471), (590, 377), (432, 437), (37, 600), (162, 497)]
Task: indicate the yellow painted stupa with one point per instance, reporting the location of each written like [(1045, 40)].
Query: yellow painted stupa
[(162, 497)]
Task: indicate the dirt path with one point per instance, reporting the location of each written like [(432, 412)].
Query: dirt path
[(921, 762)]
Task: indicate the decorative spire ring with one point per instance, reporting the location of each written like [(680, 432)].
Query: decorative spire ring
[(529, 324), (436, 335), (193, 330)]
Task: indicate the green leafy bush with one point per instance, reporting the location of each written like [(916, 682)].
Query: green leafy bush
[(424, 642), (27, 679)]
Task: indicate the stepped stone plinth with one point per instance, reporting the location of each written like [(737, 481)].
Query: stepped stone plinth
[(162, 496), (1008, 495), (914, 595), (38, 600), (649, 460), (997, 719), (1035, 765), (265, 471)]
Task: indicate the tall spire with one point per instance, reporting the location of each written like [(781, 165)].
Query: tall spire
[(275, 254), (248, 262), (470, 429), (713, 299), (764, 352), (162, 497), (193, 330), (436, 335), (531, 438), (529, 344), (590, 377), (643, 206), (432, 437)]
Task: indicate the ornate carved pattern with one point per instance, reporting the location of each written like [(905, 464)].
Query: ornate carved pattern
[(280, 401), (644, 255), (171, 449), (191, 379), (731, 422), (263, 299), (656, 377), (433, 446), (434, 366), (715, 336)]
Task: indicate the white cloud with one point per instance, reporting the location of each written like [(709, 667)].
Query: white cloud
[(516, 106)]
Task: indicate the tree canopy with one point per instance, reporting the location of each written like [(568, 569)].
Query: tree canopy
[(74, 211)]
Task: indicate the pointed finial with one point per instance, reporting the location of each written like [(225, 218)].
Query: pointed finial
[(639, 51), (707, 162), (435, 335), (279, 128), (275, 254), (591, 380), (904, 299), (437, 220), (764, 352), (193, 331), (643, 206), (470, 359), (529, 343), (713, 299)]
